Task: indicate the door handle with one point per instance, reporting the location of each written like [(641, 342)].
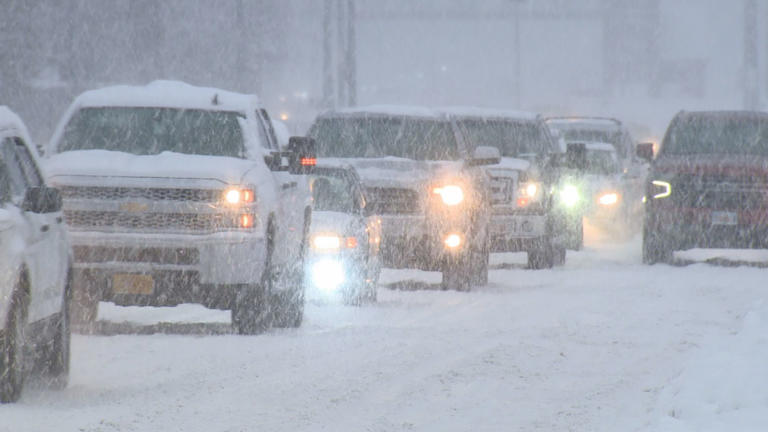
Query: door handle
[(45, 228)]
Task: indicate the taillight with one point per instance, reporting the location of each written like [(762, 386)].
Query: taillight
[(246, 221)]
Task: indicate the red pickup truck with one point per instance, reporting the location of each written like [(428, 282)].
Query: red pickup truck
[(708, 186)]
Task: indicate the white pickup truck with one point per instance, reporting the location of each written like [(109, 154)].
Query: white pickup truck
[(180, 194)]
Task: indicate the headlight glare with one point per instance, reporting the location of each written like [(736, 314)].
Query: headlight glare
[(608, 199), (451, 194), (569, 195), (326, 242), (238, 196)]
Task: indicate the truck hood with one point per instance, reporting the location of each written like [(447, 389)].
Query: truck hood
[(405, 173), (335, 222), (507, 164), (103, 163), (713, 164)]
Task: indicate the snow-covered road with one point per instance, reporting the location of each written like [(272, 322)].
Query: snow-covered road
[(601, 344)]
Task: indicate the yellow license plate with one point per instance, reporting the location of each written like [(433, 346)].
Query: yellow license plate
[(132, 284)]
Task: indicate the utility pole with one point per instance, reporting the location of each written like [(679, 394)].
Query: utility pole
[(351, 56), (328, 90), (750, 72)]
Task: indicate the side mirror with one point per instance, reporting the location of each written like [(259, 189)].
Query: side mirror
[(302, 156), (42, 199), (576, 156), (644, 151), (485, 155)]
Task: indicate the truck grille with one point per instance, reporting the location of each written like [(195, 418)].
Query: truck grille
[(502, 190), (154, 255), (393, 200), (154, 194), (720, 192), (165, 222)]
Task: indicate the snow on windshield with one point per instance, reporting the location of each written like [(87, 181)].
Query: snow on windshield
[(381, 136), (150, 131)]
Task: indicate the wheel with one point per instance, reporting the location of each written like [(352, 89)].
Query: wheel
[(12, 348), (85, 304), (250, 312), (456, 274), (288, 304), (559, 256), (288, 309), (577, 236), (57, 361), (655, 249), (542, 255), (479, 267)]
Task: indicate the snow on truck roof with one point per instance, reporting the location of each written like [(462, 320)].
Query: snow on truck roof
[(9, 119), (486, 113), (385, 110), (175, 94), (438, 113), (584, 122)]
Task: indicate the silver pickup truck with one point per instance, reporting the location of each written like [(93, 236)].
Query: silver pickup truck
[(429, 188)]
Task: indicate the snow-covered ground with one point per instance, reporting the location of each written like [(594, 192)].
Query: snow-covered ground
[(604, 343)]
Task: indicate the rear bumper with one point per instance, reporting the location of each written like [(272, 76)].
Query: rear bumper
[(686, 228)]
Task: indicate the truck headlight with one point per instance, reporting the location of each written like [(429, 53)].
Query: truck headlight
[(328, 274), (660, 189), (608, 199), (326, 242), (238, 195), (332, 242), (452, 241), (570, 196), (528, 192), (451, 194)]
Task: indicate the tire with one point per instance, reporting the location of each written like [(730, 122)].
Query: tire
[(542, 255), (655, 250), (576, 240), (12, 347), (480, 261), (58, 359), (288, 310), (456, 274), (250, 312), (288, 306), (85, 305)]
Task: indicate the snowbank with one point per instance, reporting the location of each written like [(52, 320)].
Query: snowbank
[(723, 386)]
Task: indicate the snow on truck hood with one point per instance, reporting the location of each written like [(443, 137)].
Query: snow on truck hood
[(332, 222), (103, 163), (399, 172)]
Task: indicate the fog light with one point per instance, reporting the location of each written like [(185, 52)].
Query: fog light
[(608, 199), (453, 241), (328, 275)]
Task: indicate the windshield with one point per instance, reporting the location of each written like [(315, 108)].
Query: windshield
[(601, 162), (512, 138), (332, 192), (580, 133), (378, 136), (150, 131), (718, 134)]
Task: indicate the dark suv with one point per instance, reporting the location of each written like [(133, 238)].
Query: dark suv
[(708, 187)]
